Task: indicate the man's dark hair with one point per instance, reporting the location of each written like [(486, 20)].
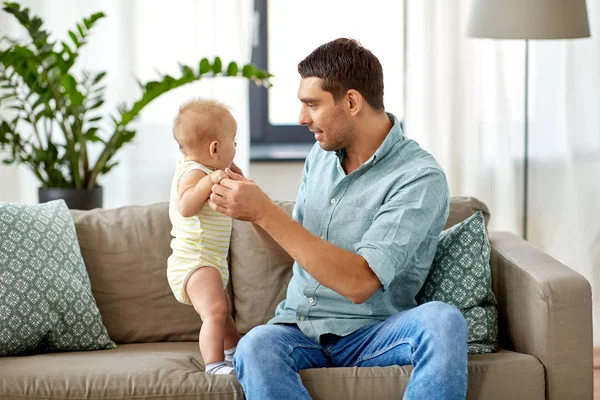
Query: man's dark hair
[(345, 64)]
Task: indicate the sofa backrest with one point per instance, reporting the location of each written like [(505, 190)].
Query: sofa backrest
[(125, 252), (126, 249)]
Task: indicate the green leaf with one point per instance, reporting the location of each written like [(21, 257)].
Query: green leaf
[(217, 65), (8, 96), (66, 48), (249, 71), (74, 39), (90, 135), (16, 107), (96, 105), (232, 69), (99, 77), (68, 82), (204, 66), (108, 167), (96, 16)]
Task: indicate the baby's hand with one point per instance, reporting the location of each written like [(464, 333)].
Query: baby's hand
[(217, 176)]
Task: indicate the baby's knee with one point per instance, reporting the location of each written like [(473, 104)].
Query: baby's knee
[(217, 310)]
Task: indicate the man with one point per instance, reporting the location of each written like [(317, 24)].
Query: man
[(363, 236)]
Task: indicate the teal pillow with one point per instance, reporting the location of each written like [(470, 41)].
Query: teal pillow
[(460, 275), (46, 301)]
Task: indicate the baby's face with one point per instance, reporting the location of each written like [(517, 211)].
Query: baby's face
[(227, 143)]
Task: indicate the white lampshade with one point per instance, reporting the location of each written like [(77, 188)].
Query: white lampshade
[(528, 19)]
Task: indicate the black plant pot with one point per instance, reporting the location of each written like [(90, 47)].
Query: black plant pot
[(76, 199)]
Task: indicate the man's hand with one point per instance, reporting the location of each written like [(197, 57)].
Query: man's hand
[(217, 176), (240, 198)]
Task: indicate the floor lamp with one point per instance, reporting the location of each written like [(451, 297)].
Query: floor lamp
[(528, 19)]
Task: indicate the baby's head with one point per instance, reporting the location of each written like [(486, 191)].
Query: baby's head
[(205, 131)]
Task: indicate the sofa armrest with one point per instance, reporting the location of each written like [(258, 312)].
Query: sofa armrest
[(545, 309)]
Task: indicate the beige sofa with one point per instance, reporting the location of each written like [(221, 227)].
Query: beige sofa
[(545, 323)]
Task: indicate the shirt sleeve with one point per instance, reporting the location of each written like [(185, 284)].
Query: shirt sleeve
[(416, 212)]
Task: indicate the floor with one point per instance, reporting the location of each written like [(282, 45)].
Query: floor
[(597, 373)]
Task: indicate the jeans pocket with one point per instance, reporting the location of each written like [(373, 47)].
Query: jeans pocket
[(397, 353)]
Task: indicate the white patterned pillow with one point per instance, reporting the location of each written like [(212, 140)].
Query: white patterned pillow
[(46, 301), (460, 275)]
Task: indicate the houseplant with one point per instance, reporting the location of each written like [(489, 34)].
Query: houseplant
[(37, 82)]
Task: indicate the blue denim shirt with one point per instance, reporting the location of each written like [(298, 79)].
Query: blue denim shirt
[(391, 211)]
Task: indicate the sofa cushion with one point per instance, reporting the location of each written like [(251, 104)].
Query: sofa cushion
[(125, 252), (157, 371), (260, 272), (261, 269), (460, 275), (46, 302), (173, 371), (498, 376)]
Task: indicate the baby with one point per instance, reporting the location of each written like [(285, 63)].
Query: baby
[(197, 269)]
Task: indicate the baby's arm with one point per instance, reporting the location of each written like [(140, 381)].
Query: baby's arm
[(194, 189)]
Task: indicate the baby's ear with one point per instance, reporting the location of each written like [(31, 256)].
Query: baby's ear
[(212, 148)]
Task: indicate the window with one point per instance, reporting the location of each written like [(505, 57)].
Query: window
[(286, 31)]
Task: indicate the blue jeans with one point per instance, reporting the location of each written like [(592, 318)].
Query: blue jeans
[(432, 337)]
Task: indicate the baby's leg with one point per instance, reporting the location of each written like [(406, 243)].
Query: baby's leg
[(205, 290), (232, 337)]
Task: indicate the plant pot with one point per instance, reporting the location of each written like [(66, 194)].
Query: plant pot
[(76, 199)]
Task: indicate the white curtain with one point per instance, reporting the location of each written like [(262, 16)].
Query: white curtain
[(465, 104), (135, 40)]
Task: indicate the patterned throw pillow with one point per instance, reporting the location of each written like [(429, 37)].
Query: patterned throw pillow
[(460, 275), (46, 301)]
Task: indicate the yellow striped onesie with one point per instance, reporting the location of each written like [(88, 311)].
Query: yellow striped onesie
[(198, 241)]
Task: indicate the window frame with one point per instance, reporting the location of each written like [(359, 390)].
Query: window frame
[(270, 142), (263, 134)]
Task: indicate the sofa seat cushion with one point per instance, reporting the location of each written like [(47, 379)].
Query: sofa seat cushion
[(173, 371), (157, 371), (496, 376)]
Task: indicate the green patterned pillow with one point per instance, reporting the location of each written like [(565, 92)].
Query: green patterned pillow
[(460, 275), (46, 301)]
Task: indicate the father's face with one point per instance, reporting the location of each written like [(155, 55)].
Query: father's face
[(326, 119)]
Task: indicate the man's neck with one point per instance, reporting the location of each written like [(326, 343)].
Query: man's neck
[(370, 133)]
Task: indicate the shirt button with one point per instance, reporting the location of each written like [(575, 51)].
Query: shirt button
[(374, 162), (302, 318), (322, 237), (311, 300), (332, 201)]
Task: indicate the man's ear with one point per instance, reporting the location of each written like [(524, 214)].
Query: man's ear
[(212, 148), (354, 101)]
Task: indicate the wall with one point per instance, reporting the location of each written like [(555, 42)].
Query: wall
[(280, 180)]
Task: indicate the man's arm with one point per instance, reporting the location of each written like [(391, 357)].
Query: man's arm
[(344, 272)]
